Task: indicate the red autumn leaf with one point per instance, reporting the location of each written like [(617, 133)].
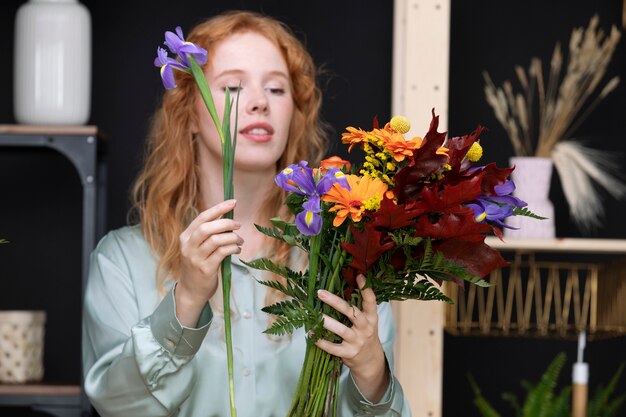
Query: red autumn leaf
[(394, 216), (458, 226), (478, 258), (450, 197), (424, 162), (367, 248), (492, 176), (458, 146)]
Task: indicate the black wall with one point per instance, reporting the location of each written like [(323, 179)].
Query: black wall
[(352, 40)]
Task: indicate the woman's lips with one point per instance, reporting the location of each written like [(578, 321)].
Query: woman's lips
[(258, 132)]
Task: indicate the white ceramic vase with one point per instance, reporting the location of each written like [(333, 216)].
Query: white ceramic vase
[(532, 176), (52, 63)]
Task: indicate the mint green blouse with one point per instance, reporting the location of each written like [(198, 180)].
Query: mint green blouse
[(140, 361)]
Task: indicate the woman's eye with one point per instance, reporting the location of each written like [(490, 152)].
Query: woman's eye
[(232, 89), (277, 91)]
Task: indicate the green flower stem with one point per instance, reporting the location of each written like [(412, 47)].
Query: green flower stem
[(316, 243), (318, 386), (334, 279), (228, 156)]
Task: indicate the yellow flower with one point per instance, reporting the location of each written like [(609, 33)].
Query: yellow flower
[(475, 152), (400, 124), (365, 194)]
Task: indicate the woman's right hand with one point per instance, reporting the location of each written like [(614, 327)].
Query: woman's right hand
[(203, 246)]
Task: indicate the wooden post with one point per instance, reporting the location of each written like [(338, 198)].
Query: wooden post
[(420, 83)]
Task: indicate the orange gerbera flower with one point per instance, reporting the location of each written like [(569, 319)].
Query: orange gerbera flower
[(365, 194), (354, 136), (334, 162), (394, 142)]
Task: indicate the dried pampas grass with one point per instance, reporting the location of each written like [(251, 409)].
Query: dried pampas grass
[(563, 103)]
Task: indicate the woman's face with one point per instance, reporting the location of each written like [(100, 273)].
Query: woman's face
[(251, 61)]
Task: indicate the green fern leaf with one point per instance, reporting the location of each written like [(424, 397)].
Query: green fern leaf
[(485, 408), (524, 211), (539, 398), (598, 405), (291, 316), (512, 399)]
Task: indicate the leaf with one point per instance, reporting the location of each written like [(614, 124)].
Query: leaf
[(425, 161), (540, 397), (598, 405), (459, 226), (451, 197), (366, 248), (524, 211), (477, 258), (413, 287), (394, 216), (291, 316), (485, 408), (458, 146), (266, 264), (492, 176)]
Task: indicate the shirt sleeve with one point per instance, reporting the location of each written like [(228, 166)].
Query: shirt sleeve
[(134, 366), (393, 403)]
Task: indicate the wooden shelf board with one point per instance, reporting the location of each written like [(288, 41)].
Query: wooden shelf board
[(563, 245), (40, 389), (48, 130)]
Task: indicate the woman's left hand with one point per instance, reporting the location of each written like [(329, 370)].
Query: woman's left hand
[(360, 349)]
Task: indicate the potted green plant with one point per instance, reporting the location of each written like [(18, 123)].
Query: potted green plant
[(542, 401)]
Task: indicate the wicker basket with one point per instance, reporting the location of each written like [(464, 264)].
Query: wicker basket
[(21, 346)]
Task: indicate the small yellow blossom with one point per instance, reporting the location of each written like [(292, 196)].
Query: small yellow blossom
[(400, 124), (475, 152), (373, 203)]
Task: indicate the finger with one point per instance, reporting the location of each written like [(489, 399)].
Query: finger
[(213, 228), (341, 305), (216, 241), (222, 252), (212, 263), (340, 329), (336, 349), (369, 298), (210, 214)]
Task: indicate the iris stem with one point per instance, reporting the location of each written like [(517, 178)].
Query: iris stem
[(228, 157)]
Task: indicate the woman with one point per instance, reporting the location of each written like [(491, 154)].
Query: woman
[(153, 326)]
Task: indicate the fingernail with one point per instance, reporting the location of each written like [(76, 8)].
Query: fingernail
[(232, 202), (360, 280), (237, 225), (322, 293)]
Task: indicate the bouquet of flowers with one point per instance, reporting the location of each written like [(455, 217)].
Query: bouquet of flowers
[(413, 215)]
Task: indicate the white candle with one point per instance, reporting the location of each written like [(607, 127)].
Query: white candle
[(580, 379)]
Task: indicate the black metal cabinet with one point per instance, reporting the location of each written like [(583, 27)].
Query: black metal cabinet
[(80, 145)]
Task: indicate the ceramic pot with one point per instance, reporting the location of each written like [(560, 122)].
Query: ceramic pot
[(532, 177), (52, 63)]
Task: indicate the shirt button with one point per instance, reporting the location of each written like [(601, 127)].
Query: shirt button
[(246, 314), (246, 371), (245, 271)]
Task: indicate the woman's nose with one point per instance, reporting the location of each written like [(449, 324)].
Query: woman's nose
[(258, 102)]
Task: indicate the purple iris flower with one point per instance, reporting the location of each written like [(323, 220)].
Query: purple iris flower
[(300, 179), (495, 208), (308, 221), (179, 46), (167, 65)]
